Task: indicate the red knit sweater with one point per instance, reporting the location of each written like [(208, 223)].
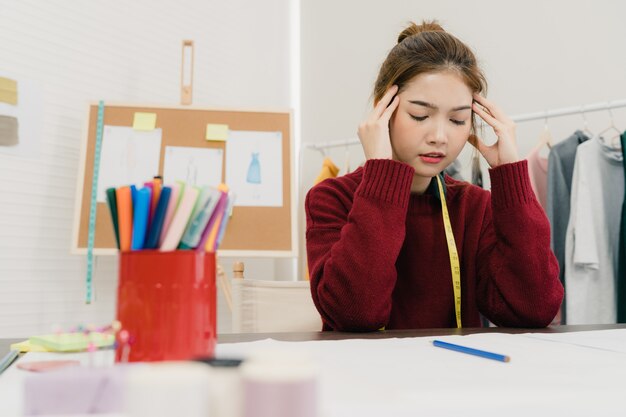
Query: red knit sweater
[(378, 255)]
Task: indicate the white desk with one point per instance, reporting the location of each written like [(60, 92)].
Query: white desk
[(573, 374)]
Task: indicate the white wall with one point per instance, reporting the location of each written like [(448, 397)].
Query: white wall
[(82, 51), (537, 55)]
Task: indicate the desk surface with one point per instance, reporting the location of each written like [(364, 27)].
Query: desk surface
[(550, 374), (309, 336)]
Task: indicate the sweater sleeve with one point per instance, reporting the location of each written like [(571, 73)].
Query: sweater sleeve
[(353, 243), (518, 274)]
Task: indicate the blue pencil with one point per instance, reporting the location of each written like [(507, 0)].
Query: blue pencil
[(471, 351)]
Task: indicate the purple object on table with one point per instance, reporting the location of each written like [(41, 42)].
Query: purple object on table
[(75, 390)]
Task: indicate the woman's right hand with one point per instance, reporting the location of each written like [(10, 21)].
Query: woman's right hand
[(374, 132)]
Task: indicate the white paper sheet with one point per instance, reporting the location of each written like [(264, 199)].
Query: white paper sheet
[(614, 340), (254, 168), (402, 377), (128, 157), (196, 166)]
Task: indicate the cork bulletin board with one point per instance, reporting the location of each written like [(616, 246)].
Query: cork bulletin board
[(251, 231)]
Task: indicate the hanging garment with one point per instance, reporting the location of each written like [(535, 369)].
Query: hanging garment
[(559, 190), (538, 171), (621, 269), (592, 238), (329, 170), (454, 170), (477, 174)]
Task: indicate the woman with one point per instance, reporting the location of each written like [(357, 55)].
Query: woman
[(377, 247)]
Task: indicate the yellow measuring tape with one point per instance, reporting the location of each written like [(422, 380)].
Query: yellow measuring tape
[(454, 255)]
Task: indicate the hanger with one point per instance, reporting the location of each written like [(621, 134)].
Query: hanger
[(545, 138), (585, 123), (321, 150), (614, 144), (347, 167)]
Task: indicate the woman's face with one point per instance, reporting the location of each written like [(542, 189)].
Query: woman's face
[(432, 122)]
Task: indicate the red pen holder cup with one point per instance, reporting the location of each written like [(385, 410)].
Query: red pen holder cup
[(166, 303)]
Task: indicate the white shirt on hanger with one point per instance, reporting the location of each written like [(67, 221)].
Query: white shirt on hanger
[(592, 238)]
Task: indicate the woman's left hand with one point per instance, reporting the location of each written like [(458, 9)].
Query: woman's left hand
[(504, 150)]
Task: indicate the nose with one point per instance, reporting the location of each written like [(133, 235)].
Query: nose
[(438, 136)]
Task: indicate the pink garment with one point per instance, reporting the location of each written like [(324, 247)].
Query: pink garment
[(538, 170)]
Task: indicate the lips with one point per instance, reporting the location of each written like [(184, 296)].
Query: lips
[(432, 157)]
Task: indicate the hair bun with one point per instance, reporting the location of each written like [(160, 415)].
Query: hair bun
[(413, 29)]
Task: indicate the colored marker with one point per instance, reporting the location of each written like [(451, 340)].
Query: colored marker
[(209, 197), (133, 193), (125, 216), (227, 215), (112, 203), (152, 242), (171, 209), (471, 351), (181, 218), (215, 217), (157, 185), (149, 185), (140, 218)]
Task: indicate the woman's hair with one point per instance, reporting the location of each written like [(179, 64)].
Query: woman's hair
[(428, 48)]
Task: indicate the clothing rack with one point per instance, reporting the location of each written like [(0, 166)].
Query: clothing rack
[(549, 114)]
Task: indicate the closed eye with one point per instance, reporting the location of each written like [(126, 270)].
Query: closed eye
[(421, 119)]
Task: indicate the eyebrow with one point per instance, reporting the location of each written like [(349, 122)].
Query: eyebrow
[(432, 106)]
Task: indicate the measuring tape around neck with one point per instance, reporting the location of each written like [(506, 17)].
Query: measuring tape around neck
[(454, 255), (93, 205)]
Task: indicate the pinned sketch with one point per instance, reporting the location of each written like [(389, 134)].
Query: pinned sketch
[(196, 166), (254, 167), (128, 157), (21, 106)]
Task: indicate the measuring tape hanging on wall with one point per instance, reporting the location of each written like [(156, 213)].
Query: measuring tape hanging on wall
[(454, 255), (93, 205)]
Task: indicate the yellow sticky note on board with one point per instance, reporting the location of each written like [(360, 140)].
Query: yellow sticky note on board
[(144, 121), (8, 91), (216, 132)]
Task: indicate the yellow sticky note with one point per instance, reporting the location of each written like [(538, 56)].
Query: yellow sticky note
[(8, 91), (26, 346), (216, 132), (144, 121)]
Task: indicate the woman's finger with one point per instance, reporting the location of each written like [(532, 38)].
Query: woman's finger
[(487, 117), (384, 102), (390, 109), (491, 108)]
